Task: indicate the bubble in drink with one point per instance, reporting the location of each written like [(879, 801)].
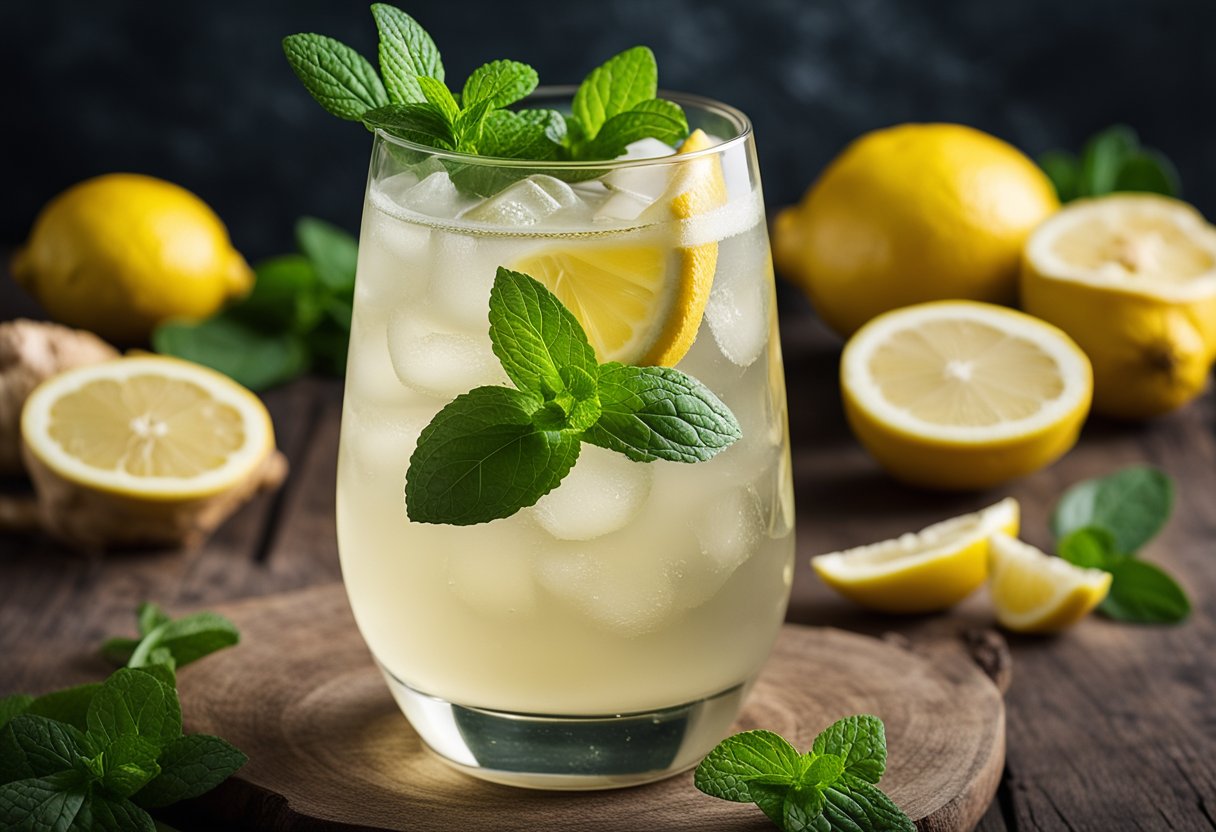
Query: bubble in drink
[(602, 493)]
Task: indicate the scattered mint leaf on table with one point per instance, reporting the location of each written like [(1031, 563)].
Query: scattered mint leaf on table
[(496, 450), (1132, 504), (93, 749), (831, 788), (332, 253), (1101, 523), (250, 356), (1112, 160)]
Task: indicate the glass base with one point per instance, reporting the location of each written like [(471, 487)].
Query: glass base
[(569, 752)]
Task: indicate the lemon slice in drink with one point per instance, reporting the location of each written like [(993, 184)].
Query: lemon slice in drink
[(1034, 592), (642, 304), (928, 571), (961, 394), (1132, 278), (149, 428)]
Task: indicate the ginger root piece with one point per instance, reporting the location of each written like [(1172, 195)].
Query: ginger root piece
[(31, 351), (92, 520)]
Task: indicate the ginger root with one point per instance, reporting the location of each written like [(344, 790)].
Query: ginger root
[(92, 521), (30, 352)]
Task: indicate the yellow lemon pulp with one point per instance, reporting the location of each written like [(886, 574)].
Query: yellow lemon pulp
[(923, 572), (642, 304), (120, 253), (1036, 593), (1132, 278), (958, 394), (149, 427), (912, 213)]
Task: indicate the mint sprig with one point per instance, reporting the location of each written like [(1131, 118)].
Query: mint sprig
[(97, 756), (1112, 160), (1102, 524), (613, 107), (495, 450), (831, 787)]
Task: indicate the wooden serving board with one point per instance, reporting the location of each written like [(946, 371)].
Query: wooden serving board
[(329, 750)]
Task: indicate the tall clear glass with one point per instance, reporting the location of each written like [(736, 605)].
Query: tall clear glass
[(608, 635)]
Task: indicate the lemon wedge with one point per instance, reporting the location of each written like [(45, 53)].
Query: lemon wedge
[(1034, 592), (927, 571), (149, 428), (1132, 278), (961, 394), (642, 304)]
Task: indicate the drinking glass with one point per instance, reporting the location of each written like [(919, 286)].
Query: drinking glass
[(608, 635)]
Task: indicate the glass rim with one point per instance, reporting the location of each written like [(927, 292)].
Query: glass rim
[(742, 133)]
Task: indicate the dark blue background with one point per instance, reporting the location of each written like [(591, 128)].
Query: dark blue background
[(197, 91)]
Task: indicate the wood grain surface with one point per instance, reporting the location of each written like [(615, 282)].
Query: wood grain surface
[(304, 700), (1109, 726)]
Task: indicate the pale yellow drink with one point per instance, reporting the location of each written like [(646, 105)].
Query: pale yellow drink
[(631, 587)]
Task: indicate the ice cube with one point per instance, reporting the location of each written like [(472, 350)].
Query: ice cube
[(437, 362), (392, 258), (740, 300), (463, 269), (647, 148), (601, 494), (379, 443), (620, 590), (729, 529), (636, 188), (491, 569), (434, 196), (526, 202)]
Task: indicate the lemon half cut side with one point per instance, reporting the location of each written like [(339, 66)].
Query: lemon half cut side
[(926, 571), (961, 394), (152, 428)]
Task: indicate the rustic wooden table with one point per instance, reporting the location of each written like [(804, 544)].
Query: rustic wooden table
[(1110, 726)]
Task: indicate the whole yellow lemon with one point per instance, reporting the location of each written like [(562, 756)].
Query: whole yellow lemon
[(120, 253), (912, 213)]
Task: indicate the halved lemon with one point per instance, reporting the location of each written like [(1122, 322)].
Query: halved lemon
[(1034, 592), (642, 304), (1132, 278), (150, 428), (925, 571), (961, 394)]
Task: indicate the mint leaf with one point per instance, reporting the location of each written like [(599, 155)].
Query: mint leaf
[(149, 616), (406, 52), (258, 360), (1132, 504), (1091, 547), (43, 804), (523, 134), (499, 83), (482, 458), (339, 78), (437, 93), (190, 766), (15, 705), (419, 123), (130, 762), (1143, 594), (109, 814), (187, 639), (861, 741), (1103, 158), (1150, 172), (534, 335), (284, 297), (801, 809), (332, 252), (822, 770), (34, 746), (652, 413), (619, 84), (134, 703), (69, 705), (727, 770), (853, 804), (657, 118)]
